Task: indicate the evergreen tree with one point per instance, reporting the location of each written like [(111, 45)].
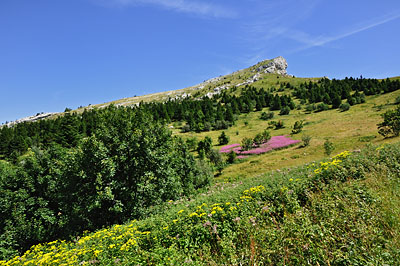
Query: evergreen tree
[(223, 139), (336, 101)]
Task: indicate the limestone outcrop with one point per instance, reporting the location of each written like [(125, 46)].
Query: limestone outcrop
[(278, 65)]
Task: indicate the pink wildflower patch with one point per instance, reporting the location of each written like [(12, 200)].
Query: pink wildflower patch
[(228, 148), (274, 143)]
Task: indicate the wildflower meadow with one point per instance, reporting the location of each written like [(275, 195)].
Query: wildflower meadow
[(333, 212)]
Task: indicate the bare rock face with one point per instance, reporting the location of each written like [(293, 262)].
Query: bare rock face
[(278, 65), (33, 118)]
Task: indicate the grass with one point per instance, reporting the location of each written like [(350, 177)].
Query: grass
[(343, 211), (346, 130)]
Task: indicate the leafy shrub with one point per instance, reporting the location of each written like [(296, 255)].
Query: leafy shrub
[(215, 157), (276, 124), (223, 139), (328, 147), (267, 116), (297, 127), (261, 138), (322, 107), (310, 107), (207, 126), (285, 110), (221, 124), (397, 101), (231, 157), (306, 140), (185, 128), (191, 143), (344, 107), (391, 123), (247, 144), (205, 145), (258, 139)]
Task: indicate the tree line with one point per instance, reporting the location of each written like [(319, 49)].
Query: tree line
[(333, 92)]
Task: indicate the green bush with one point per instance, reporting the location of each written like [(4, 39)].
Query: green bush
[(297, 127), (306, 140), (397, 101), (276, 124), (205, 145), (285, 110), (267, 116), (247, 144), (344, 107), (191, 143), (310, 107), (322, 107), (231, 157), (223, 139), (391, 123), (328, 147)]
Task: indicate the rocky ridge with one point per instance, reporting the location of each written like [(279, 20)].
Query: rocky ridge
[(31, 118)]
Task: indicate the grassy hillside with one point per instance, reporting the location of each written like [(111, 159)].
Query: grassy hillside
[(342, 211), (348, 130)]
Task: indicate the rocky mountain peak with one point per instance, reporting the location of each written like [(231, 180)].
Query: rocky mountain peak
[(277, 65)]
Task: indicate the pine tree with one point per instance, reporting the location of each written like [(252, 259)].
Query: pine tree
[(223, 139)]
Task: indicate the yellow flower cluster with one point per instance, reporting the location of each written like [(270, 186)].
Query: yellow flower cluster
[(380, 147), (119, 238), (342, 155), (87, 248), (336, 160), (254, 190)]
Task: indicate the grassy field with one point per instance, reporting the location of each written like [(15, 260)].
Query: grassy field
[(348, 130)]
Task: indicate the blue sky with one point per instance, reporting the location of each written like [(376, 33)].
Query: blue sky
[(56, 54)]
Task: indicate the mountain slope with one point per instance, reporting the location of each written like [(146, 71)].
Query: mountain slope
[(267, 72)]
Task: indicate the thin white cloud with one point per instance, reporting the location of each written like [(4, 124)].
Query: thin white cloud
[(202, 8), (270, 21), (322, 40), (274, 18)]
